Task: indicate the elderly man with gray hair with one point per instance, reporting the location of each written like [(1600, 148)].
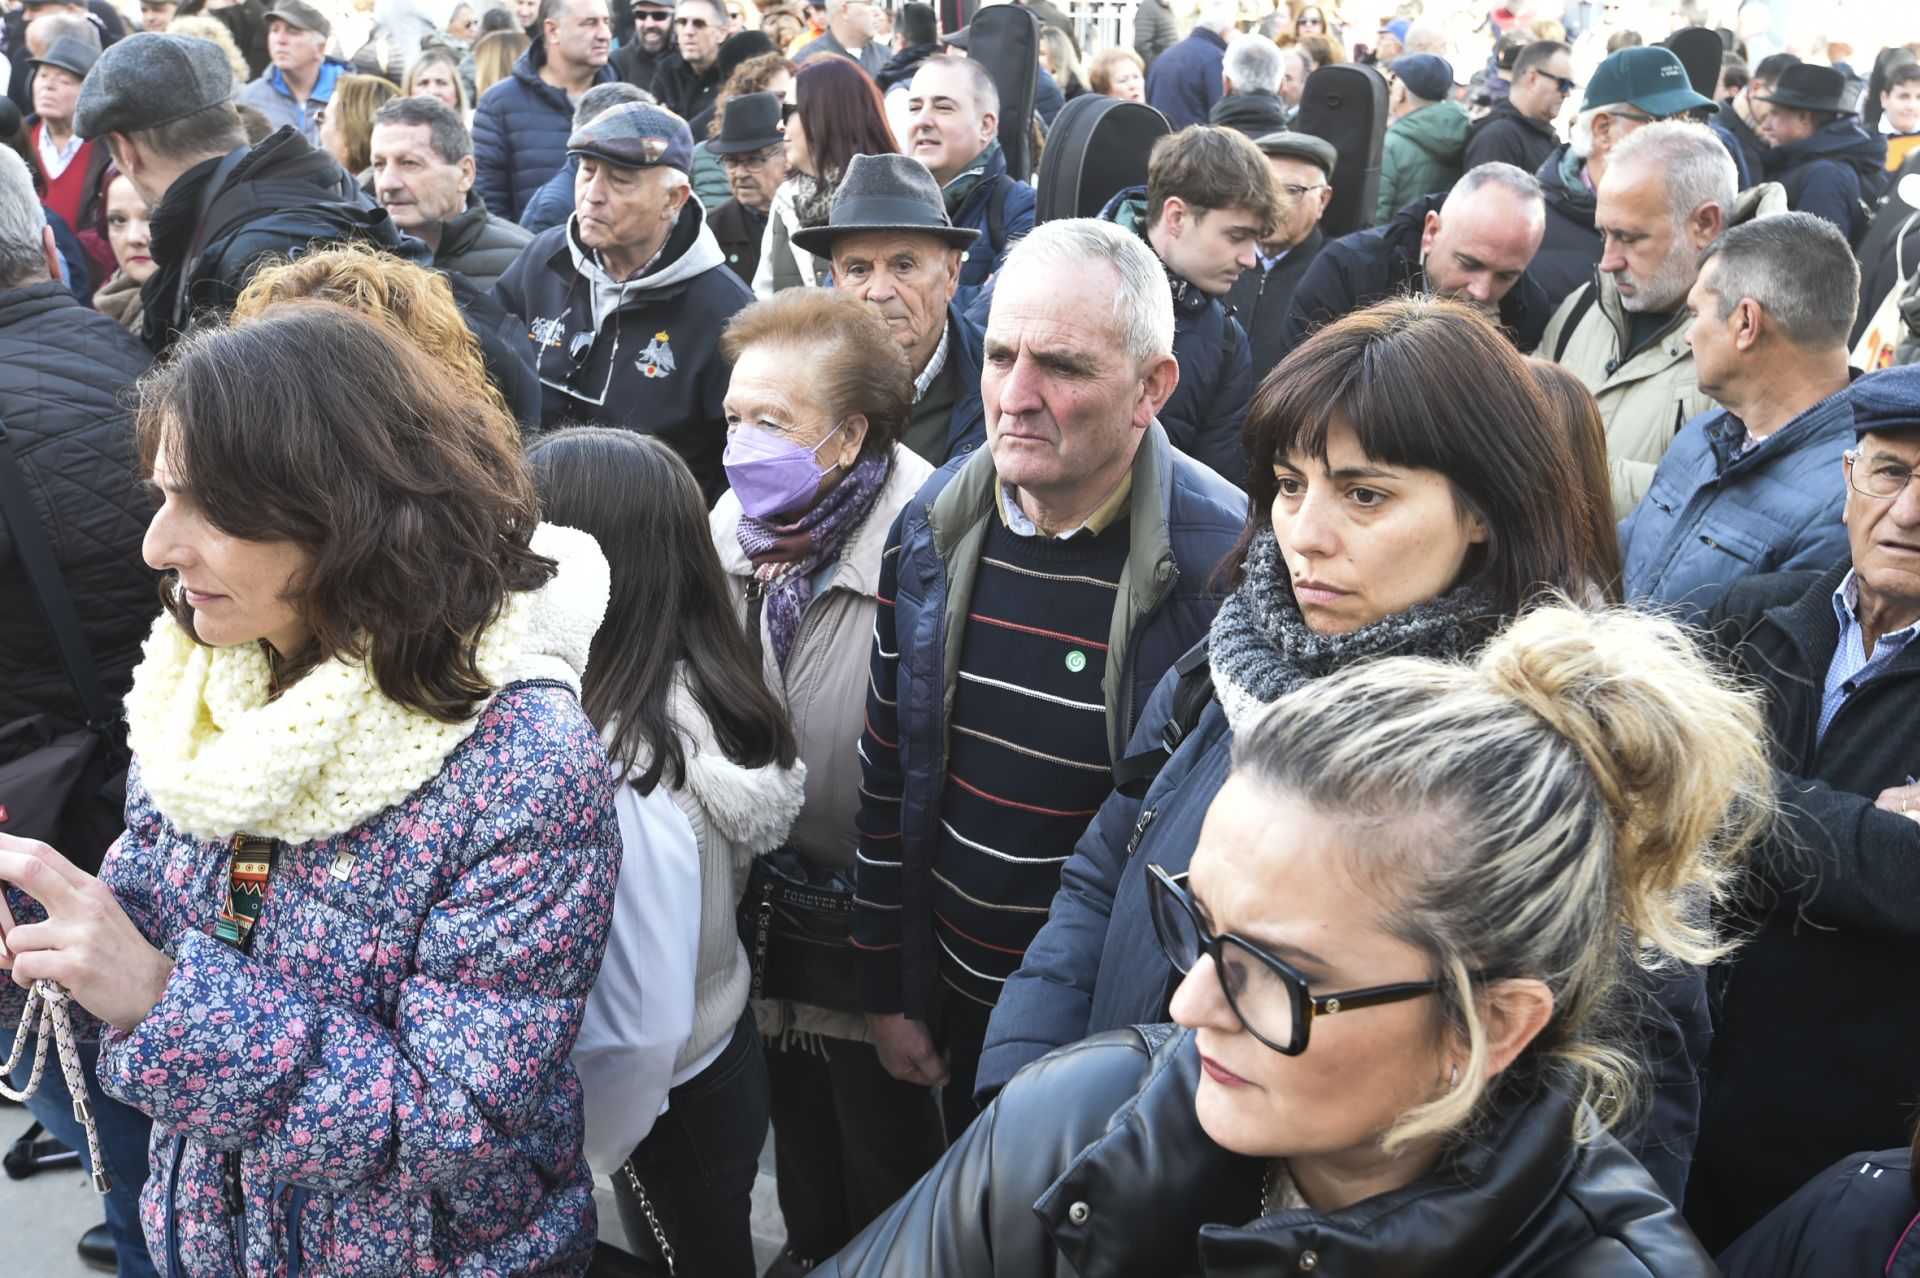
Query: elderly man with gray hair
[(1755, 484), (1668, 193), (1250, 77), (1030, 599)]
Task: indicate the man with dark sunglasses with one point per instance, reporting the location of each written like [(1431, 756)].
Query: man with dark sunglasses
[(651, 48), (1519, 130), (688, 79)]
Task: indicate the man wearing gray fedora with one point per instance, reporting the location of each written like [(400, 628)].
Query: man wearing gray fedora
[(753, 151), (893, 246)]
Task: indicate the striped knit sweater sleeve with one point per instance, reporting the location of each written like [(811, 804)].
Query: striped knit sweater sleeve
[(876, 911)]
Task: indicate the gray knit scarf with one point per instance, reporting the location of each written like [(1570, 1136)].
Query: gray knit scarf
[(1261, 648)]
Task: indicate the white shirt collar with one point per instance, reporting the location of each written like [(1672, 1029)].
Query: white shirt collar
[(934, 365)]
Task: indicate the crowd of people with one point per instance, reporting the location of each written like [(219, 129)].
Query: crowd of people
[(594, 585)]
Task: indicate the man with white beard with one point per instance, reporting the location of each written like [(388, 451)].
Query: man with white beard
[(1669, 191)]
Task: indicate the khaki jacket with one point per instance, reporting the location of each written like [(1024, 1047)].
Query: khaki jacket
[(824, 688), (1648, 398)]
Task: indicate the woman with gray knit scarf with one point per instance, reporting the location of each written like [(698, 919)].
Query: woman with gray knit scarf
[(1409, 489)]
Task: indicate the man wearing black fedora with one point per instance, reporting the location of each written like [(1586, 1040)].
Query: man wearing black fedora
[(754, 153), (1830, 166), (893, 246)]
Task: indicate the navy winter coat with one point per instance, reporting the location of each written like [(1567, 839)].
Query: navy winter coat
[(1569, 251), (552, 204), (1184, 82), (966, 352), (1204, 414), (1184, 521), (1854, 1218), (520, 132), (976, 213), (1714, 514), (1096, 965), (1835, 174)]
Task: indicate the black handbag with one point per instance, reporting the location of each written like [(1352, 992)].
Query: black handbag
[(61, 783), (797, 924)]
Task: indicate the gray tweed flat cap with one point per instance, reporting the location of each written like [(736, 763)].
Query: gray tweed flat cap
[(150, 79)]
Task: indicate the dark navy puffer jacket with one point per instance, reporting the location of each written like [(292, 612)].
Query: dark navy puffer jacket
[(520, 132), (1835, 174), (63, 369)]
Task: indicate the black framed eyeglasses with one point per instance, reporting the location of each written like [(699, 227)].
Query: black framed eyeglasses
[(1268, 994)]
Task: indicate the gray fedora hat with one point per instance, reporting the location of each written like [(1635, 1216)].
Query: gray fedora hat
[(885, 193), (71, 54)]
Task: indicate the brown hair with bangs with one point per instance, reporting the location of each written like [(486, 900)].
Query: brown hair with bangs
[(318, 426), (858, 367), (1433, 385)]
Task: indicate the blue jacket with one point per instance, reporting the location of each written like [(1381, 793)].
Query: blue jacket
[(1184, 82), (976, 212), (1714, 515), (1097, 964), (271, 97), (1835, 174), (552, 204), (966, 352), (1203, 415), (1184, 520), (520, 132)]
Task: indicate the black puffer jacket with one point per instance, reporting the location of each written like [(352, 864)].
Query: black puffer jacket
[(63, 370), (1092, 1163), (1570, 250), (1839, 173)]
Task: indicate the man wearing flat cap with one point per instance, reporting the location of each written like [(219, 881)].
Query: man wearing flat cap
[(753, 151), (163, 104), (1830, 166), (626, 300), (893, 246), (299, 84), (72, 166), (1814, 1038), (1302, 165)]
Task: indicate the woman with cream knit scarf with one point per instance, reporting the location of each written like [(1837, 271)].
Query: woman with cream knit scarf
[(343, 947)]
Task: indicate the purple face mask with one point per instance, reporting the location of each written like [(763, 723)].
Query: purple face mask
[(770, 475)]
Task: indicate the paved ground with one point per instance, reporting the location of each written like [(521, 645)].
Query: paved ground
[(43, 1216)]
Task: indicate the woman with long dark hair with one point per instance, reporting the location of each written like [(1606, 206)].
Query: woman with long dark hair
[(1407, 495), (834, 112), (675, 691)]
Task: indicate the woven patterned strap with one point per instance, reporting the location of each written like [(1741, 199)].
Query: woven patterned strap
[(44, 1016)]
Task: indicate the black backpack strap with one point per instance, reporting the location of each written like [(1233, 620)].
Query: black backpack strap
[(1134, 773), (36, 556), (1588, 296)]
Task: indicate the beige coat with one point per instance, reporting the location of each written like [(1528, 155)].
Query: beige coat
[(824, 688), (1646, 400)]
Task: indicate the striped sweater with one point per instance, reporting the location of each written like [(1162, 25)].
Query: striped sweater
[(1027, 754)]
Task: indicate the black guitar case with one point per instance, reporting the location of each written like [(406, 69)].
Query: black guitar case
[(1700, 52), (1005, 39), (956, 14), (1346, 104), (1098, 147)]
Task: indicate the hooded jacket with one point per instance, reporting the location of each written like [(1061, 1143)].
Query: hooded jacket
[(231, 214), (1839, 173), (478, 245), (382, 1086), (1423, 153), (1204, 414), (1647, 396), (1571, 247), (1183, 520), (520, 132), (642, 353), (1833, 895), (1715, 513), (1093, 1163), (1505, 135), (1355, 271)]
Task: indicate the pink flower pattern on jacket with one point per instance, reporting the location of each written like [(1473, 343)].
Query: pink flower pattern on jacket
[(389, 1062)]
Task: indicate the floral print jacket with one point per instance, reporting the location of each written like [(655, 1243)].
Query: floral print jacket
[(380, 1086)]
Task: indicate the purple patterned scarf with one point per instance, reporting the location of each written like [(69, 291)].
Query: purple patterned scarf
[(785, 555)]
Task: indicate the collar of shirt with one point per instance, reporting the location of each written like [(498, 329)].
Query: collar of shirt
[(1093, 525), (55, 159), (1851, 664), (1846, 606), (1268, 263), (934, 365)]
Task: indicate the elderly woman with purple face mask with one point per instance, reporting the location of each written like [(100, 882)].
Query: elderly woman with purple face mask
[(815, 412)]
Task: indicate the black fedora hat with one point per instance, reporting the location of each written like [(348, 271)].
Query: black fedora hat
[(751, 122), (1813, 88), (885, 193)]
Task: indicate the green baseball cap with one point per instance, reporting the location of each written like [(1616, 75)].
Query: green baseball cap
[(1648, 77)]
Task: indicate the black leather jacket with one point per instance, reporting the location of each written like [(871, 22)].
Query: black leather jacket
[(1092, 1163)]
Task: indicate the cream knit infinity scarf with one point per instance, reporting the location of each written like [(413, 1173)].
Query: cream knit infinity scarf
[(219, 759)]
